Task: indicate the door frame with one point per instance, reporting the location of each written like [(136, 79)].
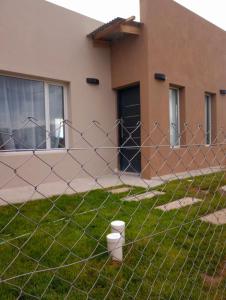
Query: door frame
[(134, 85)]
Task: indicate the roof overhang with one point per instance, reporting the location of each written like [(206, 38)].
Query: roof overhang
[(117, 29)]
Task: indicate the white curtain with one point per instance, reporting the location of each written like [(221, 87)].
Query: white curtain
[(19, 100)]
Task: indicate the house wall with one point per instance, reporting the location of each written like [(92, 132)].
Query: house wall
[(129, 66), (191, 52), (42, 40)]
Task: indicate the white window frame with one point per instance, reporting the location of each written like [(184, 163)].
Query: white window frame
[(178, 114), (46, 83), (208, 135)]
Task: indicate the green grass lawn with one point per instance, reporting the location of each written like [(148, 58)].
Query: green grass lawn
[(46, 246)]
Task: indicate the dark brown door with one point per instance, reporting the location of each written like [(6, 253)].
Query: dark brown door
[(129, 129)]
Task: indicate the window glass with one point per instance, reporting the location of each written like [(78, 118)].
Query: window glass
[(22, 114), (174, 117), (56, 109), (208, 125)]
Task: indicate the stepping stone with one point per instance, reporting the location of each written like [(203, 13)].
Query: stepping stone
[(119, 190), (179, 204), (223, 190), (216, 218), (143, 196), (214, 281)]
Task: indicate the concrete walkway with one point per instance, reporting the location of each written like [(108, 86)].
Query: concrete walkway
[(45, 190), (80, 185)]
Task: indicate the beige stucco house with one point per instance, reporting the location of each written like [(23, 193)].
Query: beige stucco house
[(65, 80)]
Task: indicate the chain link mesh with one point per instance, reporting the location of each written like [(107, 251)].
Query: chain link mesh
[(57, 206)]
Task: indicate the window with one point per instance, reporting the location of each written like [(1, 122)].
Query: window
[(208, 119), (174, 114), (31, 114)]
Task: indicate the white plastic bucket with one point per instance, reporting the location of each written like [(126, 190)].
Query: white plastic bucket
[(119, 227), (114, 244)]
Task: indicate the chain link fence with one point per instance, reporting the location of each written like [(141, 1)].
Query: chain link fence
[(57, 206)]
